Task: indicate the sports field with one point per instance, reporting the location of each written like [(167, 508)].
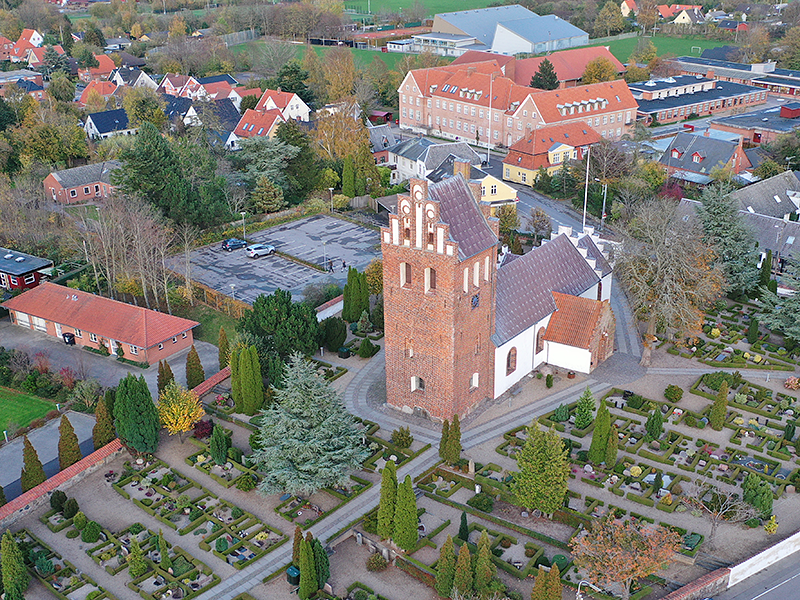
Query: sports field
[(20, 409), (431, 6), (362, 57), (665, 45)]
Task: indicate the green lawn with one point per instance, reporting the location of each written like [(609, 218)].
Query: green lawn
[(362, 57), (431, 6), (88, 210), (210, 321), (20, 409), (678, 46)]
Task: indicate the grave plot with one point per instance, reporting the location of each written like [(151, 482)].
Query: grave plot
[(111, 554), (233, 469), (56, 574), (305, 512), (240, 541), (189, 578)]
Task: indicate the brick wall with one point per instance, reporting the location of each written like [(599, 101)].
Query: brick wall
[(704, 587)]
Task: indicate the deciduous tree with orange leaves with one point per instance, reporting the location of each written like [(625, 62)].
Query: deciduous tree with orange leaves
[(179, 409), (613, 551)]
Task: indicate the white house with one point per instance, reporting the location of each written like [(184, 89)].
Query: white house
[(107, 124), (417, 157), (289, 104), (132, 77)]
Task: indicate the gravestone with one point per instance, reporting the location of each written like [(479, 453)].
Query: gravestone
[(471, 467), (359, 538)]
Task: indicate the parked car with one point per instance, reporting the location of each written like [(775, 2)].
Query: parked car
[(233, 244), (257, 250)]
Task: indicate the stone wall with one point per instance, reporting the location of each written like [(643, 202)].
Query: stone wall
[(704, 587)]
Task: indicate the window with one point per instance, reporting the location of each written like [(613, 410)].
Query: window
[(511, 361), (86, 190), (494, 190), (473, 381), (540, 340), (405, 274), (486, 263), (478, 344), (73, 193), (29, 278), (524, 177), (417, 384), (78, 333), (466, 280), (696, 158), (175, 340), (183, 335), (409, 349), (483, 190), (508, 122), (96, 189), (134, 350), (161, 346), (13, 280), (458, 108), (430, 279), (476, 274), (92, 337)]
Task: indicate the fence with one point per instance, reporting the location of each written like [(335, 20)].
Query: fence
[(238, 37), (360, 201), (621, 36), (219, 300)]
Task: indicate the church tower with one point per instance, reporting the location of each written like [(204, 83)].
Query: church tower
[(439, 276)]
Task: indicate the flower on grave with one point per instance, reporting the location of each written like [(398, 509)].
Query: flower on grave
[(636, 471), (220, 400), (201, 458), (715, 333), (746, 355), (263, 536), (738, 421), (753, 422), (668, 499), (757, 358), (792, 383)]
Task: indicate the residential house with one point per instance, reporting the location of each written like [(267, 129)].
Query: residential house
[(777, 196), (124, 330), (31, 36), (675, 98), (33, 89), (80, 185), (691, 16), (569, 65), (254, 123), (417, 157), (35, 57), (17, 77), (101, 72), (289, 104), (381, 137), (180, 109), (548, 148), (732, 25), (224, 78), (105, 89), (20, 271), (6, 48), (628, 8), (761, 126), (117, 44), (132, 77), (474, 102), (227, 116), (691, 158), (494, 192), (108, 123), (129, 60), (242, 91), (716, 16), (184, 86)]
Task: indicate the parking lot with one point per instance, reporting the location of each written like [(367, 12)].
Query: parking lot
[(317, 240)]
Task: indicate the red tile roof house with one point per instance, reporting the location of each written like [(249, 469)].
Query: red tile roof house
[(99, 73), (144, 335), (254, 124), (81, 184), (20, 271), (6, 47), (36, 55), (106, 89)]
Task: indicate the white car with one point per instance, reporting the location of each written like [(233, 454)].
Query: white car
[(256, 250)]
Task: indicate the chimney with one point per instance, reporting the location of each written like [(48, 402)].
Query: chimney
[(475, 188), (463, 167), (470, 71), (710, 74)]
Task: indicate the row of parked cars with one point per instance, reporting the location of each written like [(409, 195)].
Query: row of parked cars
[(253, 250)]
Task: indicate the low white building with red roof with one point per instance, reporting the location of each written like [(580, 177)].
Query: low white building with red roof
[(126, 331), (289, 104)]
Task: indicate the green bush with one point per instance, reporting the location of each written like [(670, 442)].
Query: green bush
[(44, 565), (361, 595), (752, 523), (402, 437), (91, 533), (548, 381), (57, 500), (370, 523), (376, 562), (482, 502), (561, 414), (673, 393), (689, 420), (636, 401), (221, 545), (195, 514), (237, 513), (245, 483), (70, 508), (79, 521), (73, 533)]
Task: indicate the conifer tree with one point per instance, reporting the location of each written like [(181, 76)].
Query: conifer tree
[(135, 416), (462, 578), (453, 453), (752, 331), (539, 591), (32, 470), (306, 439), (612, 447), (109, 397), (545, 77), (163, 550), (252, 385), (308, 574), (103, 430), (164, 375), (388, 501), (544, 470), (484, 567), (584, 410), (719, 409), (766, 269), (3, 500), (69, 451), (444, 439), (463, 528), (654, 424), (349, 178), (137, 563), (195, 375), (224, 348), (15, 576), (236, 383), (405, 517), (602, 425), (267, 197), (218, 445), (554, 586), (445, 569), (353, 301), (322, 564), (298, 539)]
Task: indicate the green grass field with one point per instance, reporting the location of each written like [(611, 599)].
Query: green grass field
[(20, 409), (431, 6), (210, 321), (665, 45), (362, 57), (89, 211)]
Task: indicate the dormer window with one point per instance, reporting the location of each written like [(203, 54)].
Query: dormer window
[(676, 153), (697, 157)]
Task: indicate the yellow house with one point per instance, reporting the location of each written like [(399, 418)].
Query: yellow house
[(494, 191), (548, 148)]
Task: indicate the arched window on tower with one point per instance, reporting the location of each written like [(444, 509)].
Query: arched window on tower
[(430, 279), (405, 274), (511, 361)]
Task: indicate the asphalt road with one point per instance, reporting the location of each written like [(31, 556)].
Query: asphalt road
[(781, 581)]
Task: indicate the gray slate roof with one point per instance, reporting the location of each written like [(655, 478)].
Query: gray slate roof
[(381, 137), (129, 75), (28, 264), (759, 197), (769, 119), (411, 149), (525, 285), (715, 153), (436, 154), (445, 170), (482, 23), (468, 226), (592, 251), (721, 91), (78, 176), (538, 29)]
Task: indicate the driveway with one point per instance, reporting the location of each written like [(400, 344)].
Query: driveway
[(107, 370), (320, 240)]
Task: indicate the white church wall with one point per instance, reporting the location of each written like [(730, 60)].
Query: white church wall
[(527, 359), (568, 357), (607, 281), (591, 293)]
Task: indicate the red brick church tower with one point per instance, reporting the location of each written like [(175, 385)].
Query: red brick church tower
[(439, 272)]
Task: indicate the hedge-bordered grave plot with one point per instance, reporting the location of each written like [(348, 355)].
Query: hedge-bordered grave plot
[(305, 512)]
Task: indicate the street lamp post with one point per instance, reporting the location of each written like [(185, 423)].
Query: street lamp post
[(586, 187), (233, 290), (331, 191), (324, 256), (605, 195), (244, 232), (578, 595), (489, 134)]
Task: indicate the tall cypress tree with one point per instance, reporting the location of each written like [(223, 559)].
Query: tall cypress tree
[(462, 579), (405, 517), (719, 409), (454, 442), (554, 587), (218, 445), (444, 439), (195, 375), (69, 451), (584, 410), (32, 470), (236, 380), (540, 587), (545, 77), (445, 569), (612, 447), (224, 348), (602, 425), (15, 575), (463, 528), (103, 430), (3, 500), (135, 416), (163, 549), (351, 300), (388, 501), (308, 574), (298, 539), (349, 177), (484, 567), (252, 385), (108, 398), (544, 470), (766, 269), (322, 564)]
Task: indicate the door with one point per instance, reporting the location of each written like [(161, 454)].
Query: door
[(23, 320), (39, 324), (58, 329)]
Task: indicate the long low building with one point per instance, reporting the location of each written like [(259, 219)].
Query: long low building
[(777, 81), (124, 330), (761, 126)]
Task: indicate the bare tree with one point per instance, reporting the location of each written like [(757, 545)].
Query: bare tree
[(539, 223), (718, 505), (186, 236), (669, 273), (268, 58)]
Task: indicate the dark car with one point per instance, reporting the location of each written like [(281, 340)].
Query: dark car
[(233, 244)]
